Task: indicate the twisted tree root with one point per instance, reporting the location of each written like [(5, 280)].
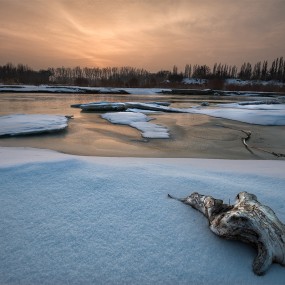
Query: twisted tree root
[(248, 221)]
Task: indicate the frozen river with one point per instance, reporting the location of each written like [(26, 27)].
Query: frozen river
[(191, 135)]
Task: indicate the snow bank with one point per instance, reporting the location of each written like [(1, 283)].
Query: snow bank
[(78, 89), (138, 121), (84, 220), (24, 124)]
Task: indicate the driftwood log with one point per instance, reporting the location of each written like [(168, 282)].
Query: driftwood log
[(248, 221)]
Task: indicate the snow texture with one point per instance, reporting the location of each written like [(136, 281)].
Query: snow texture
[(253, 106), (261, 114), (88, 220), (138, 121), (24, 124), (102, 106), (258, 115)]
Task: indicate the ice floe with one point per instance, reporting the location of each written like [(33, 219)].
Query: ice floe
[(139, 121), (258, 105), (25, 124), (103, 106), (153, 107), (115, 106), (258, 112), (266, 117), (261, 114)]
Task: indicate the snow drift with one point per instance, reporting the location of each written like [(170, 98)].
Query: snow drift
[(87, 220)]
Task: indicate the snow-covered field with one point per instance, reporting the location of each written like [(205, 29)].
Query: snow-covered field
[(93, 220)]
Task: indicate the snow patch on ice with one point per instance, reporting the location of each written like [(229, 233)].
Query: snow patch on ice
[(261, 114), (232, 81), (253, 106), (138, 121), (24, 124), (251, 113), (266, 117)]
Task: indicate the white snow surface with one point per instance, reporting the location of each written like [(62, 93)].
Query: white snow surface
[(138, 121), (256, 105), (24, 124), (262, 114), (256, 116), (92, 220)]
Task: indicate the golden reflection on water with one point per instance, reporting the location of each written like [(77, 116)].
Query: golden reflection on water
[(191, 135)]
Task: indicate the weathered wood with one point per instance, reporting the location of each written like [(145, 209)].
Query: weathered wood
[(248, 221)]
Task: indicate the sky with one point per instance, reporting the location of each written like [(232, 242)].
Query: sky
[(149, 34)]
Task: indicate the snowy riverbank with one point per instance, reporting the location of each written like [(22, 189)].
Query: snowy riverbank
[(94, 220), (124, 90)]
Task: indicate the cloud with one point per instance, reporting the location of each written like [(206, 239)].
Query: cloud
[(150, 34)]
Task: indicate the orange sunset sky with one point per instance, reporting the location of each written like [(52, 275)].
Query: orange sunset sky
[(150, 34)]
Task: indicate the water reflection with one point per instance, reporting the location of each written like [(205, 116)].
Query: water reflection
[(60, 103), (88, 134)]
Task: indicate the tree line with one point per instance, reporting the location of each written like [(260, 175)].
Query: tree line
[(135, 77), (23, 74)]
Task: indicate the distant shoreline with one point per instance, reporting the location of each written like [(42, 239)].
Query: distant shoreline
[(134, 91)]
